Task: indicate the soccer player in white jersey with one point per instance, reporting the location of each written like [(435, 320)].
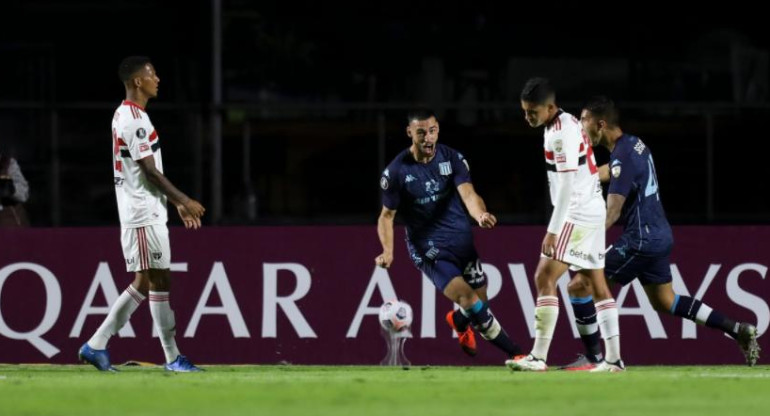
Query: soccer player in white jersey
[(575, 236), (142, 191)]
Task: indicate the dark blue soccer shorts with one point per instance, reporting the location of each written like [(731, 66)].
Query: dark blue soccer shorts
[(443, 262), (625, 263)]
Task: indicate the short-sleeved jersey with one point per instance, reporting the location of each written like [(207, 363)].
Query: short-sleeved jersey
[(632, 175), (425, 195), (567, 149), (140, 203)]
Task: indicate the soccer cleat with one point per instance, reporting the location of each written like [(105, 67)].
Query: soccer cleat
[(98, 358), (182, 365), (747, 340), (526, 363), (583, 363), (607, 367), (467, 339)]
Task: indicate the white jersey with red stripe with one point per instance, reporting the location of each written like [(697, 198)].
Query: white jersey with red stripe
[(134, 138), (568, 149)]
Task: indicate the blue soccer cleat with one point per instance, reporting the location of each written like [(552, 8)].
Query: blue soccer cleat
[(98, 358), (182, 365)]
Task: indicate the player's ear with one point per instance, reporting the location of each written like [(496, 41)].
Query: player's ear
[(408, 132)]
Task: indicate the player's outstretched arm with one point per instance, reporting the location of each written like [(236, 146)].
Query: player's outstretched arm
[(476, 206), (189, 209), (614, 205), (385, 232)]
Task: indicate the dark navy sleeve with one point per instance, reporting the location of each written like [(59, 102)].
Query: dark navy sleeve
[(390, 187), (622, 173), (461, 169)]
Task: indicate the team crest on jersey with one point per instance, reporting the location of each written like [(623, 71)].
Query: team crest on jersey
[(384, 183), (445, 168), (157, 256), (141, 133)]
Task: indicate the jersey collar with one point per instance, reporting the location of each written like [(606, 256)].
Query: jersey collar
[(133, 104)]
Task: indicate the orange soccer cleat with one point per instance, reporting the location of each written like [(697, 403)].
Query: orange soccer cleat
[(467, 339)]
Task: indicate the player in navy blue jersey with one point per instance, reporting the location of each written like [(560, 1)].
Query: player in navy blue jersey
[(429, 184), (643, 251)]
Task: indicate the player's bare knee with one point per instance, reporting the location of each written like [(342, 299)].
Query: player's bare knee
[(482, 293), (141, 282), (660, 305), (579, 287), (466, 300), (159, 280)]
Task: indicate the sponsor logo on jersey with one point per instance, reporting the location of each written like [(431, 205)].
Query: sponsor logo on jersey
[(580, 255), (431, 186), (561, 158)]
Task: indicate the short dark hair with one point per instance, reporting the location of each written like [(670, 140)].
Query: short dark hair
[(537, 90), (603, 108), (130, 65), (420, 114)]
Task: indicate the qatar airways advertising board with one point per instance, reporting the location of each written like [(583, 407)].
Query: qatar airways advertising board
[(310, 295)]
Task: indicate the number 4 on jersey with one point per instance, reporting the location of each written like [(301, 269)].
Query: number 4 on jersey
[(652, 181)]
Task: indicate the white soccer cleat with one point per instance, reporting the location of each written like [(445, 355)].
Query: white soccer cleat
[(526, 363), (606, 367)]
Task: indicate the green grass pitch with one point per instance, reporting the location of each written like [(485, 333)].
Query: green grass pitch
[(371, 391)]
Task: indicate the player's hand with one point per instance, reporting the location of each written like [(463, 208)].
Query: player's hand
[(549, 245), (194, 208), (190, 220), (384, 260), (487, 220)]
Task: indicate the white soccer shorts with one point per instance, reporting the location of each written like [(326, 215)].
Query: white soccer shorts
[(580, 246), (146, 247)]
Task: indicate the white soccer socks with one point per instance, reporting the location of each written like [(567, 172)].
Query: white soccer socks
[(120, 313), (546, 314), (165, 323), (607, 317)]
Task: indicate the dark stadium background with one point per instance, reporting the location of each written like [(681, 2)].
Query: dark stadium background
[(313, 98)]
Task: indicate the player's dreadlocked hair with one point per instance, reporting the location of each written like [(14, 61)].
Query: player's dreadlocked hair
[(603, 108), (420, 114), (130, 65), (538, 90)]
